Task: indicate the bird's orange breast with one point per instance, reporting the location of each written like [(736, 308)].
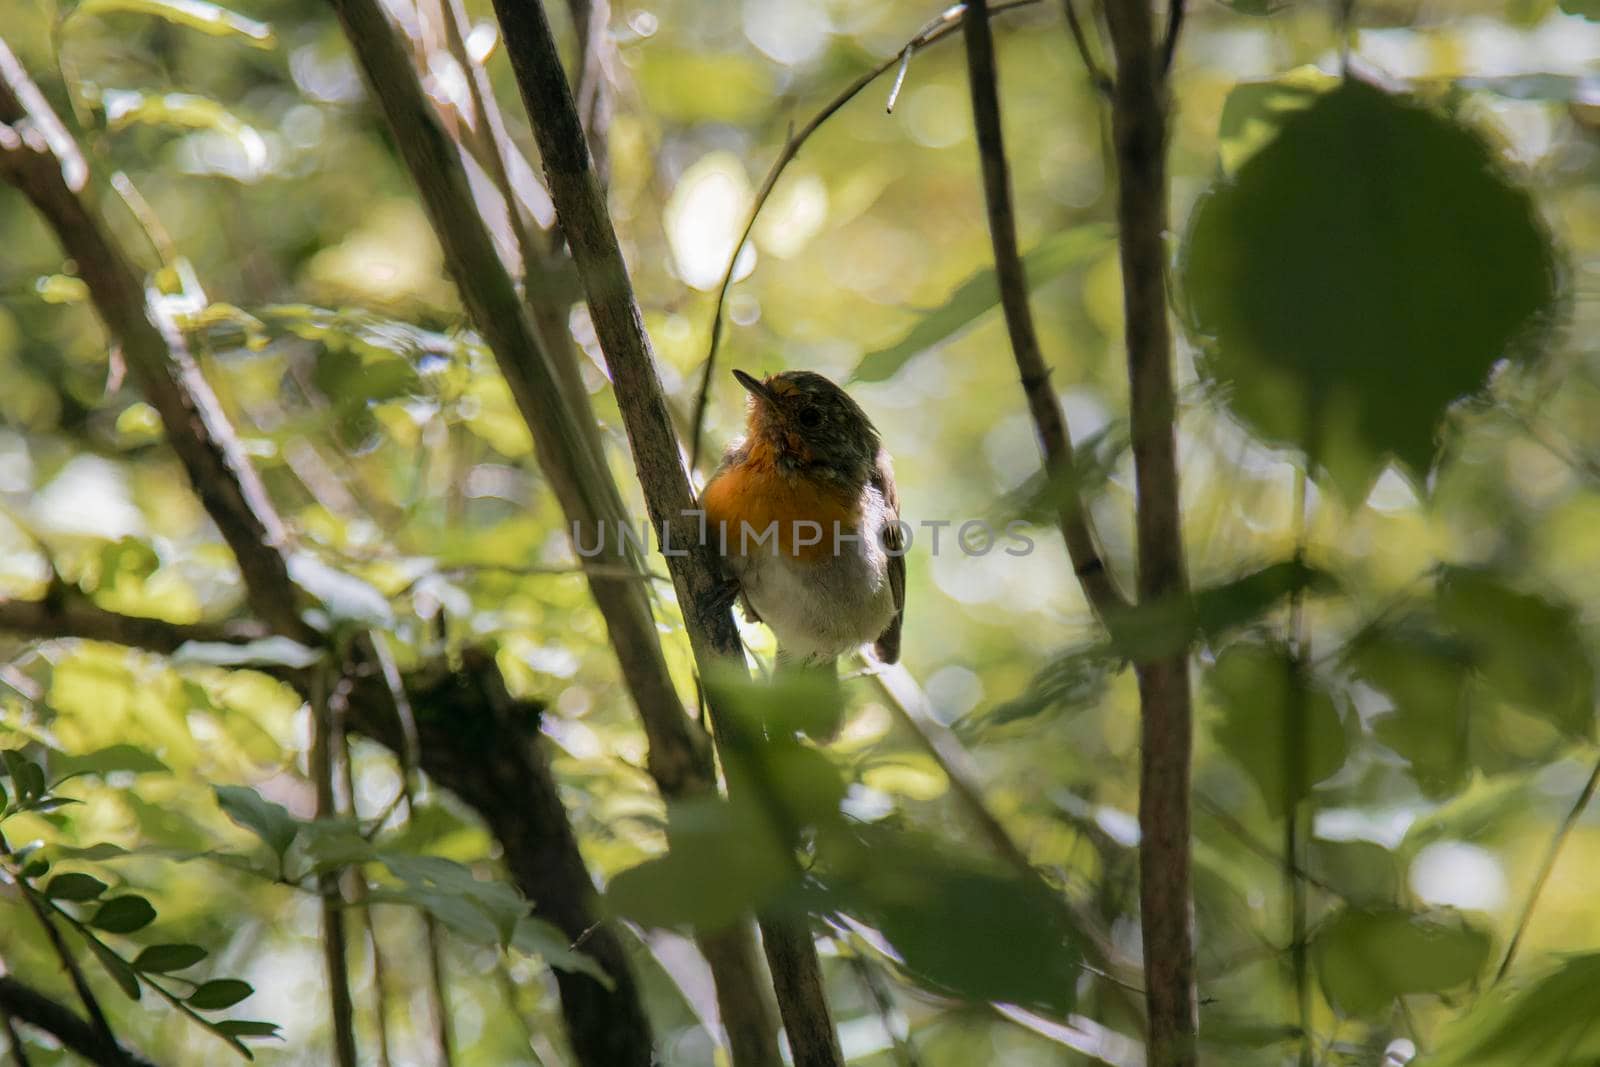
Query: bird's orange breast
[(752, 498)]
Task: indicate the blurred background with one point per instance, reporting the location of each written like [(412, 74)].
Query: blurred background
[(326, 322)]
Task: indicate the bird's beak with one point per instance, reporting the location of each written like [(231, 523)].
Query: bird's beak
[(756, 387)]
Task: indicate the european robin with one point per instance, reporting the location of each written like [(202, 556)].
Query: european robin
[(805, 513)]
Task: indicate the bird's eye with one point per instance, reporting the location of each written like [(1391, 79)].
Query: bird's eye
[(810, 418)]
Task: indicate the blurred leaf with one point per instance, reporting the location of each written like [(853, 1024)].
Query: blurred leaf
[(218, 993), (27, 778), (1050, 259), (269, 821), (74, 886), (1589, 9), (1072, 681), (1425, 676), (196, 14), (1529, 649), (108, 760), (1474, 810), (791, 702), (1432, 289), (126, 107), (123, 915), (1544, 1020), (1366, 958), (1254, 111), (164, 959), (486, 911), (752, 866), (347, 598), (964, 927), (1147, 631), (1363, 872), (266, 652), (126, 978), (61, 289), (1562, 88), (537, 937), (1258, 688)]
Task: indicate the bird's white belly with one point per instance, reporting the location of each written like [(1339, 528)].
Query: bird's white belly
[(821, 608)]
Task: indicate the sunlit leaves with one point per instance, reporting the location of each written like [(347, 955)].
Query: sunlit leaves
[(1342, 301), (1425, 675), (126, 107), (199, 15), (1268, 704), (1053, 257), (347, 598), (1366, 958)]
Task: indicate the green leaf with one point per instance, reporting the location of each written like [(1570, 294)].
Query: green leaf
[(1425, 677), (266, 652), (1052, 258), (219, 993), (268, 821), (483, 910), (164, 959), (1589, 9), (1258, 687), (1545, 1020), (1366, 958), (74, 886), (752, 867), (790, 702), (347, 598), (536, 937), (123, 915), (1362, 872), (246, 1028), (1255, 111), (963, 926), (196, 14), (27, 778), (1342, 302), (107, 760), (126, 978), (1530, 649)]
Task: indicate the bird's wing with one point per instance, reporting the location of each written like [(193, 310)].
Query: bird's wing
[(887, 646)]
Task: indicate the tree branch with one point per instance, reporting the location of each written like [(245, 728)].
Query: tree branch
[(607, 1026), (679, 756), (74, 615), (1139, 126), (1050, 423), (27, 1005), (696, 572)]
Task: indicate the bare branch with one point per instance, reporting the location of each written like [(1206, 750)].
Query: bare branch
[(1099, 588), (936, 30), (27, 1005), (335, 947), (1139, 130), (1169, 42), (71, 615), (1097, 74), (595, 95)]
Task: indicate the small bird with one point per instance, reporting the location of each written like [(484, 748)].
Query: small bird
[(806, 515)]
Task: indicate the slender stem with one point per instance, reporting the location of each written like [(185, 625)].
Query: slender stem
[(1139, 117), (1169, 42), (444, 1038), (19, 1054), (1297, 805), (1553, 853), (341, 1012), (1080, 39), (58, 944), (27, 1005), (936, 30)]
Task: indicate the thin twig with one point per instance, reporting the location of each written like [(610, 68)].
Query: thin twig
[(1097, 74), (335, 954), (1169, 42), (1077, 529), (58, 944), (936, 30), (1551, 855), (28, 1005), (444, 1038), (1297, 808)]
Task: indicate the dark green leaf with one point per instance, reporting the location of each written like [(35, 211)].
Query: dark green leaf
[(219, 993), (74, 886), (1589, 9), (27, 779), (1366, 958), (124, 915), (1261, 692), (36, 869), (246, 1028), (126, 978), (791, 702), (964, 927), (1343, 302), (979, 293), (536, 937), (268, 821), (1529, 649), (1425, 676), (1362, 872), (752, 867), (163, 959)]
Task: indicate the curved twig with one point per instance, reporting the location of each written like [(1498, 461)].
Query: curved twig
[(936, 30)]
